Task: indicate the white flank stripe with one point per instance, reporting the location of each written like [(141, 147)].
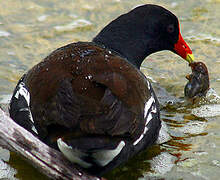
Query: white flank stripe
[(138, 140), (142, 135), (30, 116), (154, 109), (71, 154), (148, 105), (103, 157), (149, 117), (145, 129), (148, 85), (33, 127), (23, 92)]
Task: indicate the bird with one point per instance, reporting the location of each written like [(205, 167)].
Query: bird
[(90, 100)]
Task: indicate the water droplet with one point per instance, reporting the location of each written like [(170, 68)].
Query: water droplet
[(72, 55), (90, 76), (84, 88), (78, 71), (106, 57), (86, 53)]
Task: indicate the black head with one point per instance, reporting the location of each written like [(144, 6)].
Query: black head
[(142, 31)]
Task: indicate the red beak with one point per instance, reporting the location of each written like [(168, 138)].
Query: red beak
[(183, 50)]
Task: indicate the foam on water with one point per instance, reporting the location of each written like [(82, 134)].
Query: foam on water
[(6, 171), (195, 127), (212, 96), (79, 23), (4, 33), (162, 164), (209, 110), (5, 99), (163, 134)]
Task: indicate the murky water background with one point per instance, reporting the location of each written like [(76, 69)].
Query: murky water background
[(30, 30)]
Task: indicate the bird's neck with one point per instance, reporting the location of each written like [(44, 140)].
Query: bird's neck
[(133, 49)]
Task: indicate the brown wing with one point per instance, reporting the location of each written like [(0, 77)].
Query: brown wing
[(88, 89)]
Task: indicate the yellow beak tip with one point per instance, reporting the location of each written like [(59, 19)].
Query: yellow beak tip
[(190, 58)]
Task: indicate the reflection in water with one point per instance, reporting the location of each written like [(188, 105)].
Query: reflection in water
[(161, 164)]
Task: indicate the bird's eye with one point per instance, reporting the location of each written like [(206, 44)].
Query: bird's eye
[(170, 28)]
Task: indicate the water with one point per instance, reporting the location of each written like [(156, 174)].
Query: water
[(30, 30)]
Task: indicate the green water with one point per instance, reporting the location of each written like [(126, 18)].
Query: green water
[(30, 30)]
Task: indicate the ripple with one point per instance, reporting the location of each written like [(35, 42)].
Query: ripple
[(188, 163), (210, 110), (73, 25), (42, 18), (7, 172), (5, 99), (216, 163), (194, 127), (4, 33), (4, 154), (212, 96), (163, 163), (207, 38), (210, 107), (163, 134)]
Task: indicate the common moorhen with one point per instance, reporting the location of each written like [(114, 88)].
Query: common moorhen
[(90, 100)]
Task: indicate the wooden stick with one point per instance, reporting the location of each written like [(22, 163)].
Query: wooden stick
[(49, 161)]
